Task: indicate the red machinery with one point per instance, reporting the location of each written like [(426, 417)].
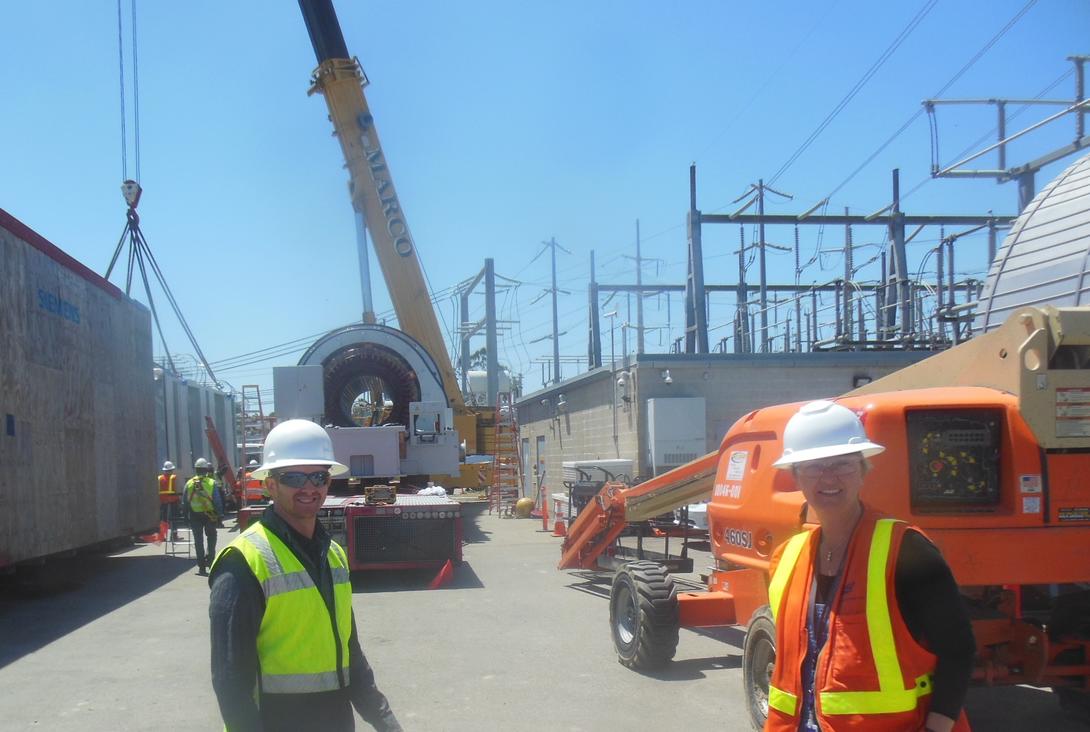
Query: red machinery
[(410, 532)]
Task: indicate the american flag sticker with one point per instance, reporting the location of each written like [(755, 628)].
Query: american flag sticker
[(1031, 483)]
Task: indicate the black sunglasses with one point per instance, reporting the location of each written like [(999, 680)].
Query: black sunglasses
[(296, 479)]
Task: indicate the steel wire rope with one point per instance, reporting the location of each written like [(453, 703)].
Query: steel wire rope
[(292, 342), (263, 359), (136, 97), (867, 76), (121, 81), (768, 79), (507, 309), (549, 323), (522, 337), (920, 110), (174, 304)]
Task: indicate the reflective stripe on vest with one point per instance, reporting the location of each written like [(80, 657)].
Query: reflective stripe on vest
[(163, 478), (783, 571), (294, 662), (779, 699), (891, 696), (783, 701)]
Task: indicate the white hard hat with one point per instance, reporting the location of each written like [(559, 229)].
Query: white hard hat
[(252, 462), (823, 429), (168, 465), (201, 463), (297, 442)]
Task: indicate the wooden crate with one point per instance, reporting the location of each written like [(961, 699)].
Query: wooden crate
[(77, 410)]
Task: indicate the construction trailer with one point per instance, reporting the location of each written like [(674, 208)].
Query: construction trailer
[(77, 404)]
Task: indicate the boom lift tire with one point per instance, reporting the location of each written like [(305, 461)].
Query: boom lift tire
[(758, 658), (643, 615)]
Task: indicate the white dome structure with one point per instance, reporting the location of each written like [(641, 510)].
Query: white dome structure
[(1045, 259)]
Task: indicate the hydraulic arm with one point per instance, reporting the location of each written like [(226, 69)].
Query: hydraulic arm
[(601, 522)]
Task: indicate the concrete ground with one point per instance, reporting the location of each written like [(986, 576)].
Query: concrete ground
[(120, 642)]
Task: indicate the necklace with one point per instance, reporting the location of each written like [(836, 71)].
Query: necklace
[(830, 551)]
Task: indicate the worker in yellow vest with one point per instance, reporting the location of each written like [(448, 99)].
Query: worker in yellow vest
[(168, 497), (285, 651), (199, 500)]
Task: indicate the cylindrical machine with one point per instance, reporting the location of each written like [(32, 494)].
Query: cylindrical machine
[(371, 374)]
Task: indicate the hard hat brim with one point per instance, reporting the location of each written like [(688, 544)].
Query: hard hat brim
[(866, 449), (337, 470)]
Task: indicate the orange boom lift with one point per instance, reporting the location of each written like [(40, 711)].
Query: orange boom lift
[(987, 450)]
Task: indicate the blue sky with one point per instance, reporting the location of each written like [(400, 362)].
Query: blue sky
[(504, 124)]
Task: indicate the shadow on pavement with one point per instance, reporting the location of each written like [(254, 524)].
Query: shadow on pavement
[(49, 601), (471, 519), (688, 669), (413, 579)]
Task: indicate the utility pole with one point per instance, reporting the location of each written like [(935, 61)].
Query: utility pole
[(741, 345), (764, 271), (848, 274), (551, 244), (556, 324), (594, 336), (696, 322), (639, 297), (639, 293), (492, 366), (798, 297)]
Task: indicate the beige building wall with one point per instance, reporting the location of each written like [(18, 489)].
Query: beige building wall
[(591, 417)]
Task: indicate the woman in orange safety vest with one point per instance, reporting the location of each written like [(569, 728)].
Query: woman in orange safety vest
[(871, 632)]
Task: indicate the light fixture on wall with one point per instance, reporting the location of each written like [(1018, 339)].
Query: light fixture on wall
[(561, 403), (666, 376), (861, 380), (622, 386)]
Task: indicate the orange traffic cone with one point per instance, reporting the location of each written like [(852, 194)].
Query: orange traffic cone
[(446, 574), (559, 529), (156, 538)]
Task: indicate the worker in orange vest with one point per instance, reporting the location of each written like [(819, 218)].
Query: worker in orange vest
[(168, 497), (871, 631), (253, 489)]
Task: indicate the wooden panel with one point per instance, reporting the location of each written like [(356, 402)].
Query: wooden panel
[(77, 454)]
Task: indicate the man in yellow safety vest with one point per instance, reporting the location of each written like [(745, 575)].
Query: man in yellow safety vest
[(285, 652), (199, 500)]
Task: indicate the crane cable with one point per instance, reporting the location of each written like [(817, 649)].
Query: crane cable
[(135, 95), (139, 253)]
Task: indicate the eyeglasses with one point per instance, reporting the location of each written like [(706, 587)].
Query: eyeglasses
[(297, 479), (839, 469)]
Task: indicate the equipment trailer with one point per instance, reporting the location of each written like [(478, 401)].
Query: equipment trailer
[(987, 449)]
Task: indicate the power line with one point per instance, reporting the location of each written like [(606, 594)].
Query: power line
[(886, 55), (768, 79), (919, 111)]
